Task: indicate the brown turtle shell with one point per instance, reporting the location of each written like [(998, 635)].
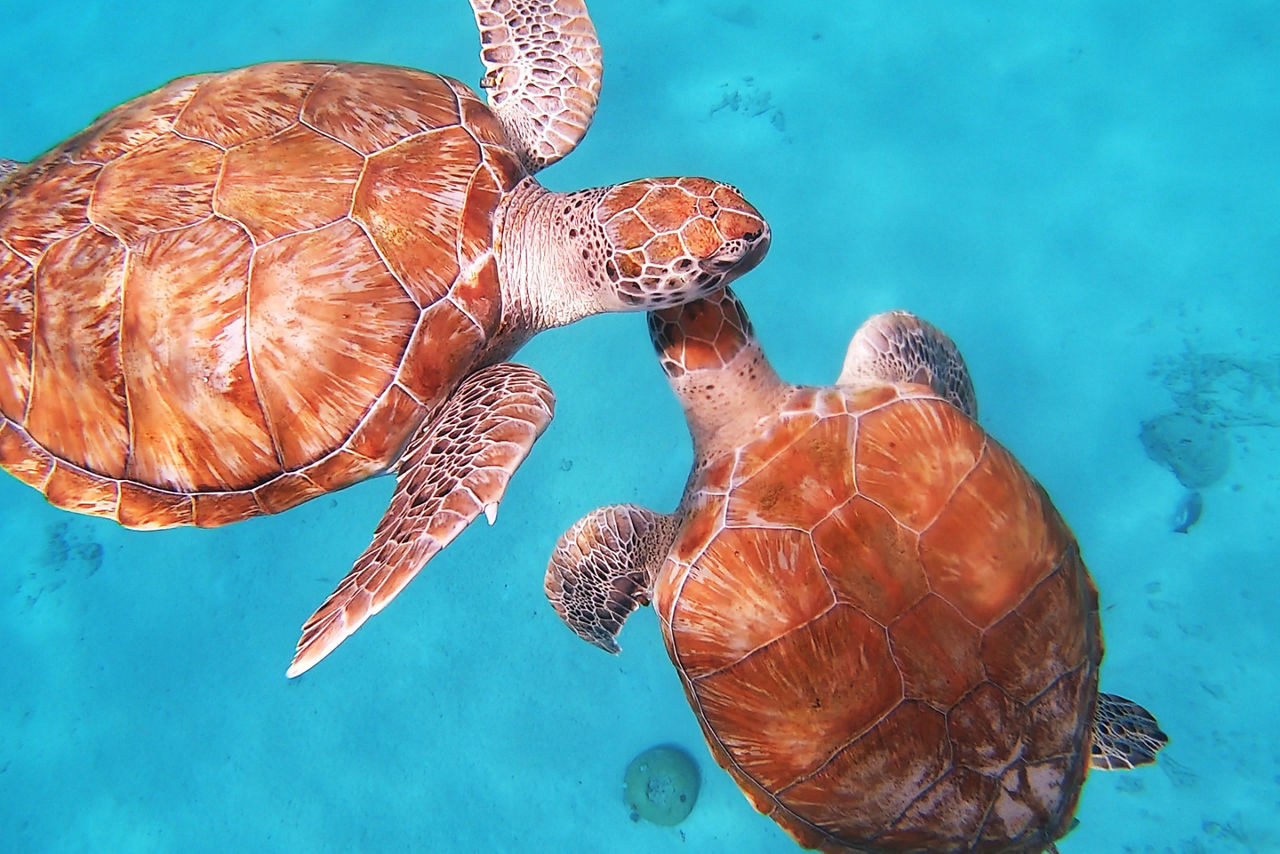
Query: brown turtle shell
[(245, 289), (886, 629)]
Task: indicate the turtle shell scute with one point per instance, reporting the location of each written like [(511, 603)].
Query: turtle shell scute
[(272, 247), (886, 630)]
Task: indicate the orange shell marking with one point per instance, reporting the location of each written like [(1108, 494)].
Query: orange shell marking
[(886, 630), (245, 289)]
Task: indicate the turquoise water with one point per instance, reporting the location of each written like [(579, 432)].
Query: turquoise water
[(1085, 199)]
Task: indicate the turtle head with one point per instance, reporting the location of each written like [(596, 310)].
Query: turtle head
[(644, 245), (715, 366), (703, 336), (666, 241)]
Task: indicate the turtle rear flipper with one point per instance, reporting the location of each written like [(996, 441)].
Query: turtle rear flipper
[(603, 568), (1125, 735), (455, 468)]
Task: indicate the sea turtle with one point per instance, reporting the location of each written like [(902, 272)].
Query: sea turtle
[(881, 621), (249, 288)]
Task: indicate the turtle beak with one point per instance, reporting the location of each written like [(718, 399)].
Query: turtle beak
[(757, 247), (746, 236), (671, 240)]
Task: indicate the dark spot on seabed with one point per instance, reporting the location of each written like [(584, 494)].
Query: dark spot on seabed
[(68, 556)]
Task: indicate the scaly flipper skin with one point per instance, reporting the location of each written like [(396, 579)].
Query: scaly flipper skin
[(603, 568), (897, 346), (7, 166), (1125, 735), (456, 467), (543, 73)]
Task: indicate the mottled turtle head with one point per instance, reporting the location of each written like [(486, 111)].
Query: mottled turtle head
[(639, 246), (666, 241), (715, 366), (704, 336)]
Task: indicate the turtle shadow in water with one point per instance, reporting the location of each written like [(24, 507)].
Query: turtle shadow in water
[(748, 100), (69, 554), (1214, 394), (1196, 452)]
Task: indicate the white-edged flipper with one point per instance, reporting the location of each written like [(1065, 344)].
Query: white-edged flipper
[(455, 468), (897, 346), (543, 68), (604, 566), (1125, 735)]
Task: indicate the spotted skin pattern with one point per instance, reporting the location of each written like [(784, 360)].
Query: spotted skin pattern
[(664, 230)]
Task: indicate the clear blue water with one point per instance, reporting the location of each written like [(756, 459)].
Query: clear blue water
[(1084, 198)]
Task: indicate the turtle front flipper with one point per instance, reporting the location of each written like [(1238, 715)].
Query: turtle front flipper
[(604, 566), (1125, 735), (455, 467), (898, 347), (543, 71)]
